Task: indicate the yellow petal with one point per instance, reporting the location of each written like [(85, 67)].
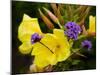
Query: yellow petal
[(38, 49), (25, 48), (58, 32), (50, 41), (52, 59), (44, 52), (63, 51), (40, 61), (28, 26), (62, 54), (92, 24), (26, 17), (26, 38), (60, 36)]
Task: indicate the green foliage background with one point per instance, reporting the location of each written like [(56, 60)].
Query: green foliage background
[(21, 63)]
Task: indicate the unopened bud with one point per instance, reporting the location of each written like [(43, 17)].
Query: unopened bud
[(33, 68), (52, 16), (46, 20)]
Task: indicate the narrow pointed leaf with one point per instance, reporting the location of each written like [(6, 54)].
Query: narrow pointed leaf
[(78, 9), (83, 10), (60, 16), (54, 7), (81, 54), (70, 13), (84, 15)]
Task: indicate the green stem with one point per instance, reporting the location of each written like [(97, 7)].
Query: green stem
[(82, 36), (60, 25), (76, 53)]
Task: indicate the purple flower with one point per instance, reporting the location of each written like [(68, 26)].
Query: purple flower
[(77, 29), (69, 25), (86, 44), (35, 38), (71, 34), (72, 30)]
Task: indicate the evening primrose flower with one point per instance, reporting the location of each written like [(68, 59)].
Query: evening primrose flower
[(92, 25), (48, 49), (28, 27), (51, 49)]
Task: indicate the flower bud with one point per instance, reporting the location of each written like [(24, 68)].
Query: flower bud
[(52, 16), (46, 20), (35, 68), (92, 26)]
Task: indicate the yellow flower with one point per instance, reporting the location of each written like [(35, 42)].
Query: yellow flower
[(92, 25), (51, 49), (27, 27)]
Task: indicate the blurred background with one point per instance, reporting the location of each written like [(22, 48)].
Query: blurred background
[(20, 63)]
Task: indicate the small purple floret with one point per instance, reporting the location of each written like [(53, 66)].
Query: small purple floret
[(35, 38), (86, 44), (72, 30), (70, 25)]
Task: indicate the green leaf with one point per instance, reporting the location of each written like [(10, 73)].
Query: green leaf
[(75, 62), (71, 42)]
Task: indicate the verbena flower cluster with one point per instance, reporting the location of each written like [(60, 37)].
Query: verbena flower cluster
[(86, 44), (35, 38), (72, 30)]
